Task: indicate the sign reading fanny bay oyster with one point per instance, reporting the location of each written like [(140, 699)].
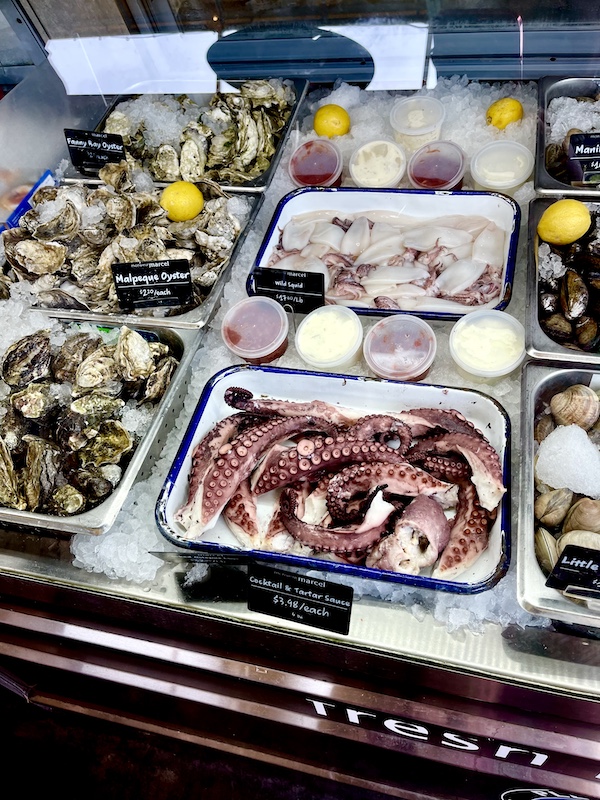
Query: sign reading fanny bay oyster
[(578, 568), (92, 150), (287, 595), (145, 284), (584, 157), (303, 291)]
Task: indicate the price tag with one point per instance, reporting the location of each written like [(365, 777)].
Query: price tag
[(584, 157), (577, 568), (91, 150), (303, 291), (290, 596), (146, 284)]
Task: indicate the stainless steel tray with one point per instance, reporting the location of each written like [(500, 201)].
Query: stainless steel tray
[(258, 184), (538, 344), (539, 382), (100, 519), (548, 89)]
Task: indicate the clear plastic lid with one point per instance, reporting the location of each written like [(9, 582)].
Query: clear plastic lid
[(502, 165), (330, 337), (256, 329), (487, 343), (378, 164), (317, 162), (437, 165), (418, 115), (400, 347)]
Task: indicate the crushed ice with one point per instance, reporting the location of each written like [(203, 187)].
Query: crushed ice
[(568, 459)]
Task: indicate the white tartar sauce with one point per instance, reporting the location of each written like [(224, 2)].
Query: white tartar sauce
[(488, 345), (327, 337)]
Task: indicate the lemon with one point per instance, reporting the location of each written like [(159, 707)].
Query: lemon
[(503, 112), (182, 200), (331, 120), (564, 222)]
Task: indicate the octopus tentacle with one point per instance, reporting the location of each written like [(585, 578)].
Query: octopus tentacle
[(329, 453), (384, 428), (240, 516), (235, 461), (244, 400), (469, 536), (479, 454), (398, 478), (447, 468), (335, 540)]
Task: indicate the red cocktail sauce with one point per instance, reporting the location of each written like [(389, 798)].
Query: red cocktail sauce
[(251, 329), (316, 163)]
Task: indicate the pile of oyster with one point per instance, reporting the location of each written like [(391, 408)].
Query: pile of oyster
[(63, 444), (65, 245), (569, 292), (563, 516), (231, 140)]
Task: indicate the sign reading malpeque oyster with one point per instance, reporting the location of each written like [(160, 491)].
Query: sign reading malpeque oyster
[(146, 284), (92, 150), (584, 157)]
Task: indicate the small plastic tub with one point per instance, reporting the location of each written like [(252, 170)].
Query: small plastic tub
[(256, 329), (379, 164), (437, 165), (487, 344), (330, 338), (502, 166), (417, 120), (400, 347), (317, 162)]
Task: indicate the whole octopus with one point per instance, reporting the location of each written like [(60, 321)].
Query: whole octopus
[(376, 490)]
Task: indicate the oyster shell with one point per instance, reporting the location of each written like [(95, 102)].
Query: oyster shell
[(41, 470), (577, 405), (27, 360), (583, 515), (34, 402), (66, 501), (96, 407), (551, 507), (108, 447), (10, 495), (74, 350), (165, 164), (36, 258), (158, 381), (64, 222), (98, 371), (133, 355)]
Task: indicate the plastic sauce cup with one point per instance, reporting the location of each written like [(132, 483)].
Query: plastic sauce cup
[(379, 164), (417, 120), (317, 162), (487, 343), (501, 166), (330, 338), (437, 165), (401, 348), (256, 329)]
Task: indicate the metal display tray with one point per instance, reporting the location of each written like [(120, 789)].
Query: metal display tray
[(365, 395), (539, 383), (99, 519), (538, 344), (258, 184), (548, 89)]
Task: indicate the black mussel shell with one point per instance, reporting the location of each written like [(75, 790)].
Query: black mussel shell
[(549, 302), (574, 295), (587, 333), (557, 327)]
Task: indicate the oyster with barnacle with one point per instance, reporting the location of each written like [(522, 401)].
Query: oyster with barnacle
[(64, 441)]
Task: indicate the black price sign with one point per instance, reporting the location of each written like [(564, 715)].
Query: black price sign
[(290, 596), (584, 157), (303, 291), (92, 150), (145, 284), (577, 567)]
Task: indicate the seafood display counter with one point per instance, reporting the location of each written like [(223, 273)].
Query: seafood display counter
[(502, 698)]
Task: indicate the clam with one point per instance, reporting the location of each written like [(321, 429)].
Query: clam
[(577, 405), (546, 550), (551, 508), (583, 515), (579, 538), (543, 427)]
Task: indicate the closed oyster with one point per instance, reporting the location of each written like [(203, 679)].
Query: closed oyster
[(66, 501), (55, 219), (133, 355), (72, 431), (551, 508), (92, 484), (577, 405), (157, 383), (96, 407), (165, 164), (122, 211), (34, 402), (42, 466), (111, 443), (546, 550), (119, 123), (27, 360), (36, 258), (98, 371), (583, 515), (74, 350), (10, 495)]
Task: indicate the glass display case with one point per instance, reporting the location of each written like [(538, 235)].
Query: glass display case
[(423, 687)]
